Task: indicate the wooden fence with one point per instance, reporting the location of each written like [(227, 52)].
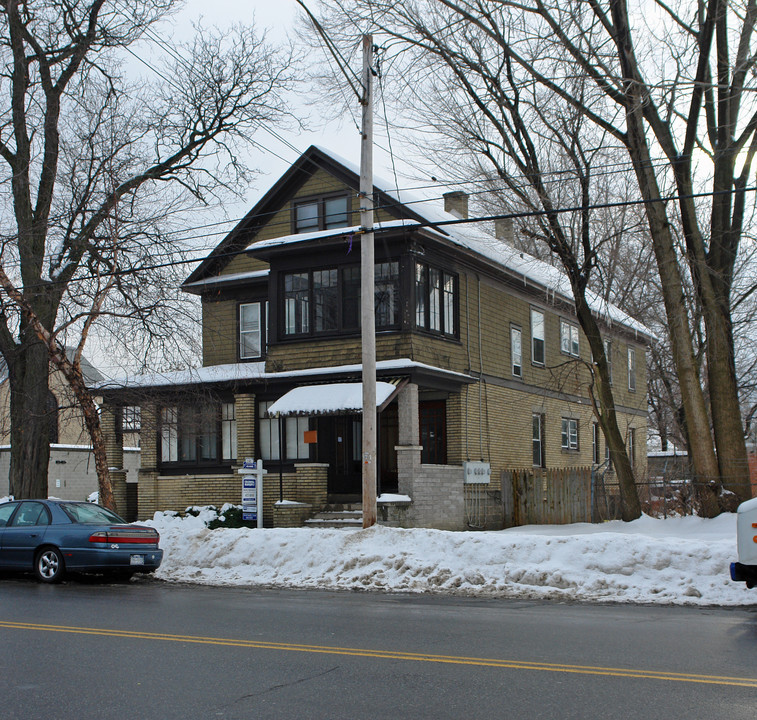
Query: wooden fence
[(557, 496)]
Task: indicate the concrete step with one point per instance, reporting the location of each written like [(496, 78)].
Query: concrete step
[(336, 519)]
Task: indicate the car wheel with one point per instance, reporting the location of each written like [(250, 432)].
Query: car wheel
[(49, 566)]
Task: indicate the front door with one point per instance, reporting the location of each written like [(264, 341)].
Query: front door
[(339, 445)]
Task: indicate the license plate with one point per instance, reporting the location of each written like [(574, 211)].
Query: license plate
[(137, 560)]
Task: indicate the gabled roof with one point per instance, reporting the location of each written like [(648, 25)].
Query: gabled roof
[(411, 211), (280, 193)]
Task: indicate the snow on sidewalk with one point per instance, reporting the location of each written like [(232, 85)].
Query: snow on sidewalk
[(673, 561)]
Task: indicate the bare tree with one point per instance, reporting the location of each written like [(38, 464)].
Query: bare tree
[(93, 165), (681, 109)]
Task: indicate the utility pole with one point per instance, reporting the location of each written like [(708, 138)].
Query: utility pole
[(367, 292)]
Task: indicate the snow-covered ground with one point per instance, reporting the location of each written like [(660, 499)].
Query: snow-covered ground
[(675, 561)]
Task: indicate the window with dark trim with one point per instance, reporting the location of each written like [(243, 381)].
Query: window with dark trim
[(435, 299), (595, 448), (327, 300), (293, 430), (202, 434), (321, 213)]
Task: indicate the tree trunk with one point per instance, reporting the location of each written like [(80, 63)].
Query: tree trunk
[(30, 421), (608, 420), (726, 412)]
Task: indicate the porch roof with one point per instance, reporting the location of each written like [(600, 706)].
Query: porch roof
[(328, 399), (242, 374)]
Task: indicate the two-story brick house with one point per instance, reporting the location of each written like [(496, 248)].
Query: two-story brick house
[(479, 358)]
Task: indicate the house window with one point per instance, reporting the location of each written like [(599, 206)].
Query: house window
[(191, 434), (632, 369), (228, 431), (131, 418), (268, 432), (296, 448), (321, 214), (569, 339), (631, 446), (516, 352), (387, 291), (252, 317), (169, 434), (537, 336), (293, 429), (435, 299), (333, 296), (325, 299), (569, 435), (296, 303), (433, 432), (595, 450), (537, 435)]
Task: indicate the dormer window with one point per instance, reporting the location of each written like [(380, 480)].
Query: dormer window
[(321, 213)]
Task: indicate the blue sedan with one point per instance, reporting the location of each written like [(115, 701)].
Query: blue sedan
[(51, 537)]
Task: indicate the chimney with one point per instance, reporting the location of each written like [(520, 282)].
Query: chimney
[(503, 230), (456, 203)]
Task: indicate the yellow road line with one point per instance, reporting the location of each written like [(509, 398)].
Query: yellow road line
[(395, 655)]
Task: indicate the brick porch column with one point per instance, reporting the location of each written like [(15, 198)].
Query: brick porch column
[(147, 499)]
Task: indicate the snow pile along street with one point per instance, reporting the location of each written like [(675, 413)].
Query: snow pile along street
[(678, 560)]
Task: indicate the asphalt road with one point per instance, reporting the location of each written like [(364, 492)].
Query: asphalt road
[(145, 649)]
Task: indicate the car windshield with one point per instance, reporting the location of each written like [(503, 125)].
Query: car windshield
[(90, 514)]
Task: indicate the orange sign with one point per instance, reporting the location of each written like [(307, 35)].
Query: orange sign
[(311, 436)]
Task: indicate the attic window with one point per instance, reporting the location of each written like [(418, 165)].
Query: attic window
[(321, 213)]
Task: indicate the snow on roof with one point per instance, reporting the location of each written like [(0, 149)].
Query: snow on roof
[(235, 372), (193, 376), (326, 399), (332, 232), (235, 277), (554, 280)]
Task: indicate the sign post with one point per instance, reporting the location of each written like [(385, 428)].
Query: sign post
[(252, 472)]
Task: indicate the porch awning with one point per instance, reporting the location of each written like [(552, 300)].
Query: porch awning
[(333, 399)]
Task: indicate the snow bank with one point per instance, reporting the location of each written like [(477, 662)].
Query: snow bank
[(674, 561)]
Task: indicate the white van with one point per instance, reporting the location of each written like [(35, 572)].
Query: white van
[(745, 570)]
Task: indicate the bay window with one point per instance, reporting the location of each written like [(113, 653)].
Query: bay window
[(332, 297)]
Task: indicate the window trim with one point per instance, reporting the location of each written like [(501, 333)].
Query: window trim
[(631, 369), (447, 300), (516, 329), (569, 434), (273, 435), (262, 329), (320, 201), (537, 421), (569, 339), (173, 440), (310, 296), (595, 443)]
